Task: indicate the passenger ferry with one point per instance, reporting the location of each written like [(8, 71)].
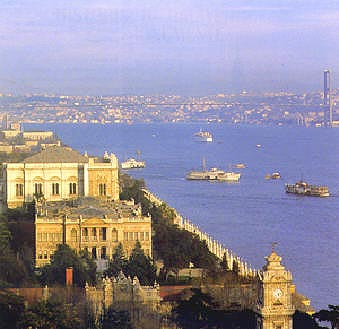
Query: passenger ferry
[(214, 174), (203, 136), (303, 188), (131, 163)]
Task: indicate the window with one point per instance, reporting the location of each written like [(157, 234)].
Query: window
[(94, 253), (39, 237), (40, 255), (103, 234), (102, 189), (85, 234), (74, 235), (142, 236), (19, 190), (103, 253), (45, 254), (130, 236), (114, 235), (72, 188), (146, 236), (38, 188), (126, 236), (94, 233), (55, 189), (136, 236)]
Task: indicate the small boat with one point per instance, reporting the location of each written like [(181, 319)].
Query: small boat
[(203, 136), (303, 188), (268, 176), (240, 165), (131, 163), (275, 175)]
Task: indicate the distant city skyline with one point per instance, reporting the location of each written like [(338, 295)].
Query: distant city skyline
[(153, 47)]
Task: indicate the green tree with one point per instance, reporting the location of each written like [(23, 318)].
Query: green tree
[(117, 263), (331, 315), (140, 265), (200, 311), (177, 248), (12, 270), (224, 263), (11, 309), (131, 188), (84, 268), (51, 314), (304, 321)]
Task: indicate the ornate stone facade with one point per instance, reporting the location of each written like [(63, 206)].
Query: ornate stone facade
[(277, 308), (91, 224), (58, 173)]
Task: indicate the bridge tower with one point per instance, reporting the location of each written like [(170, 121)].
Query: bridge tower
[(327, 99)]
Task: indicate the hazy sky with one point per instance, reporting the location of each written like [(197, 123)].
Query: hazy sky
[(149, 47)]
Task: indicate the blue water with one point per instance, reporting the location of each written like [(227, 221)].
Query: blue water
[(248, 216)]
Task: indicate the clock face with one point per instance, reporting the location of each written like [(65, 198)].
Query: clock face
[(277, 293)]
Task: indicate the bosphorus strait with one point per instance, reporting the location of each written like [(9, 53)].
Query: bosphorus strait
[(247, 217)]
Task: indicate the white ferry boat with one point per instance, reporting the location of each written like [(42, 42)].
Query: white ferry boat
[(131, 163), (203, 136), (214, 174)]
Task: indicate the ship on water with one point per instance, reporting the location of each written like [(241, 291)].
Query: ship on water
[(213, 174), (303, 188), (203, 136), (132, 163)]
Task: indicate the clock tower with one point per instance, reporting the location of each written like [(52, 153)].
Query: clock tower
[(277, 309)]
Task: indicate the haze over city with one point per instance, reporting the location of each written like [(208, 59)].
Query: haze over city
[(151, 47)]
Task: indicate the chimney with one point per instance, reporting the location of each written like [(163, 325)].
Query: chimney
[(69, 276)]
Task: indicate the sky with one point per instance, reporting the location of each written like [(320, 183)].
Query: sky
[(186, 47)]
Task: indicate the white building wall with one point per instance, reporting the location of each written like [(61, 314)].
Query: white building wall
[(46, 174)]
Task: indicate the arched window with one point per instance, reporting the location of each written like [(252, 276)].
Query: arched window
[(103, 253), (19, 190), (94, 234), (38, 188), (72, 188), (114, 235), (74, 235), (102, 189), (55, 189), (94, 252), (85, 234)]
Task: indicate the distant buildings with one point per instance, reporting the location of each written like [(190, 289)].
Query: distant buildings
[(271, 108)]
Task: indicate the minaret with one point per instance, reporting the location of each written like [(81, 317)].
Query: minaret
[(277, 309)]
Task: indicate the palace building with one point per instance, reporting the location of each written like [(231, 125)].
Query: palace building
[(58, 173), (91, 224), (77, 203)]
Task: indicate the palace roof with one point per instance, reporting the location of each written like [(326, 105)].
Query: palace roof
[(57, 154)]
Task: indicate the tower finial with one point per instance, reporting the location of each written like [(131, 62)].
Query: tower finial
[(274, 245)]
